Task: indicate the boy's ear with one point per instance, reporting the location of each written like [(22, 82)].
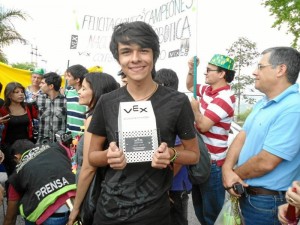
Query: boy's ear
[(77, 80), (17, 157)]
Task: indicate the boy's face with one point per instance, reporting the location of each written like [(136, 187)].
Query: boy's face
[(136, 62), (71, 80), (45, 88)]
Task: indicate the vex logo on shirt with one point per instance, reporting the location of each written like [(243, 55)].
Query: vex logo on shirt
[(135, 108)]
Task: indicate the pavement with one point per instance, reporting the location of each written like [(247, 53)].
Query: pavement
[(191, 215)]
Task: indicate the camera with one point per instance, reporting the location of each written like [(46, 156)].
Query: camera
[(238, 188), (64, 137)]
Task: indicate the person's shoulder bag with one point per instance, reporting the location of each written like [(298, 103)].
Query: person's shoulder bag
[(200, 172)]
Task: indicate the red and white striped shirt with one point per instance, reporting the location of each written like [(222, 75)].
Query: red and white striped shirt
[(217, 105)]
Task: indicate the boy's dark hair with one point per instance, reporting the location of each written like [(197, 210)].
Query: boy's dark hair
[(53, 78), (167, 78), (77, 71), (136, 32), (20, 146)]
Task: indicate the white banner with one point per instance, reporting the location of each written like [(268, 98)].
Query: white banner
[(174, 22)]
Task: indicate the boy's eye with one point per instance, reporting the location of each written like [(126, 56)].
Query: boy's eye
[(125, 52)]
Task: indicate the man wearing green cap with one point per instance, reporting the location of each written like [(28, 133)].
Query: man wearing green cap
[(213, 116), (34, 89)]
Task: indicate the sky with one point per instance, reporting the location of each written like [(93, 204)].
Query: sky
[(218, 23)]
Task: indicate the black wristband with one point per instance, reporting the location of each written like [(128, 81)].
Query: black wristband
[(228, 188)]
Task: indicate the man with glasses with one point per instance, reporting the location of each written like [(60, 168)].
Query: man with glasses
[(213, 116), (265, 156)]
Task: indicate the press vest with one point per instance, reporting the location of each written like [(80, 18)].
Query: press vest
[(43, 175)]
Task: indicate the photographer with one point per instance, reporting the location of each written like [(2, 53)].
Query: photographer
[(42, 183)]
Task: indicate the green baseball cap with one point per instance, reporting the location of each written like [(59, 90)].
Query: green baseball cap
[(38, 71), (222, 61)]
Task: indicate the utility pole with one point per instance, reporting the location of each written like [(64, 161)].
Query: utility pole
[(34, 52)]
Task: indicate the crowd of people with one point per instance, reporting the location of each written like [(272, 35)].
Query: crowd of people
[(39, 124)]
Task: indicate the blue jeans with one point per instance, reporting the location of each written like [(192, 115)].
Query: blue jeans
[(52, 220), (261, 209), (208, 198)]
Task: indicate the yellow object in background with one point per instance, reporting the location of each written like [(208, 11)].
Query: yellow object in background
[(9, 74), (98, 69)]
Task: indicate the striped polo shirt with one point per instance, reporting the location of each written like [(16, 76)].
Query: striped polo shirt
[(75, 112), (217, 105)]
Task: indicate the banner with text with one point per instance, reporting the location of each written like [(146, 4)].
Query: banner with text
[(174, 22)]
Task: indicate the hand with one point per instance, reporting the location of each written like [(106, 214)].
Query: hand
[(161, 157), (191, 63), (282, 212), (292, 195), (5, 118), (72, 217), (195, 105), (196, 109), (229, 178), (116, 157)]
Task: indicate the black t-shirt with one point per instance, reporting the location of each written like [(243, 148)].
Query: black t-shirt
[(17, 128), (139, 192)]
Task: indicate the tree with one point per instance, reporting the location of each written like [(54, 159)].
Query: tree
[(244, 53), (8, 33), (24, 66), (286, 12)]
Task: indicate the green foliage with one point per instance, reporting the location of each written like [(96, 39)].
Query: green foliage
[(243, 116), (24, 66), (286, 12), (8, 33), (244, 53), (3, 57)]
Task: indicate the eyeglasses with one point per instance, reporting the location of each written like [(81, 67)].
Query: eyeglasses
[(210, 70), (260, 66)]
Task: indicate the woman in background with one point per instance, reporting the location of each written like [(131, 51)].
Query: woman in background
[(93, 86), (19, 126)]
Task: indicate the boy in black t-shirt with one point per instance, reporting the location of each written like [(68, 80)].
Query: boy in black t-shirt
[(137, 193)]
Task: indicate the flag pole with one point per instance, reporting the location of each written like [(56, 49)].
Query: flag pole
[(195, 57)]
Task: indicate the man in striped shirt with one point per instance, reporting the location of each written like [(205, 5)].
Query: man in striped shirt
[(213, 115), (75, 112)]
